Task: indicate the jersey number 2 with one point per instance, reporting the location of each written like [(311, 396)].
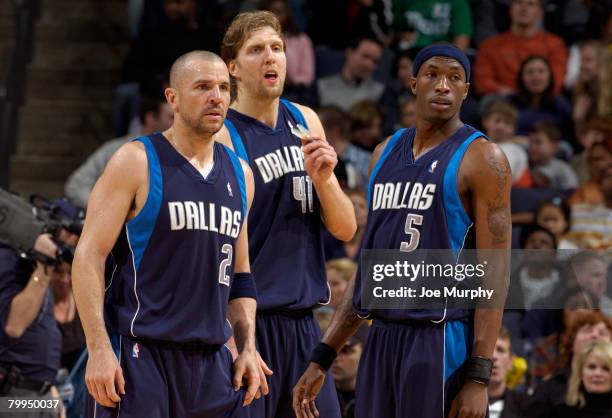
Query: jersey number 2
[(224, 278), (413, 233)]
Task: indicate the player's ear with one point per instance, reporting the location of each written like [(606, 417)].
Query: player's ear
[(413, 83), (171, 98), (233, 68)]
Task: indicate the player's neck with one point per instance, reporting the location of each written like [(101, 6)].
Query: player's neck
[(264, 109), (429, 134), (196, 148)]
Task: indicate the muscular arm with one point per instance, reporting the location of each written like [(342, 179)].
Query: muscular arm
[(336, 208), (241, 311), (109, 205), (117, 196), (490, 202)]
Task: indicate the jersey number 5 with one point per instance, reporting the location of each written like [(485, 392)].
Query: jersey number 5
[(413, 233), (224, 278)]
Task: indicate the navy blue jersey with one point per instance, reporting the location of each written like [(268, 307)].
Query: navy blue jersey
[(285, 242), (174, 261), (416, 205)]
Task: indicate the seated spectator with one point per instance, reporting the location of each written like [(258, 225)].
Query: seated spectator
[(399, 90), (366, 124), (354, 83), (596, 130), (590, 270), (421, 23), (599, 157), (499, 57), (407, 111), (335, 248), (499, 122), (537, 102), (337, 131), (585, 94), (344, 371), (592, 223), (589, 392), (339, 272), (298, 49), (546, 170), (538, 275), (155, 115), (543, 328), (555, 215), (503, 402), (587, 327)]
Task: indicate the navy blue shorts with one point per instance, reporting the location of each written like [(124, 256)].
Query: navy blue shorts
[(411, 370), (168, 380), (285, 343)]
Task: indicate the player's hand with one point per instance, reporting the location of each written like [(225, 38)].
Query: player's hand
[(104, 377), (320, 158), (471, 402), (264, 371), (246, 368), (306, 390)]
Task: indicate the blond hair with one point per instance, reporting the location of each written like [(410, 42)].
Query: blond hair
[(243, 25), (575, 391), (345, 266)]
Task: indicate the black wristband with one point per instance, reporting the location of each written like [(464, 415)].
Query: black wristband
[(479, 369), (323, 355)]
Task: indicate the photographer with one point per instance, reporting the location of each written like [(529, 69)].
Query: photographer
[(30, 340)]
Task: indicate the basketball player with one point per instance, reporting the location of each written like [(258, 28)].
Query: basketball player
[(171, 210), (296, 193), (426, 363)]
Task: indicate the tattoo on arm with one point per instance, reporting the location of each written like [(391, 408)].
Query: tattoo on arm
[(498, 217)]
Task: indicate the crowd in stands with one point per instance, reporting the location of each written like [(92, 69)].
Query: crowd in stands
[(541, 89)]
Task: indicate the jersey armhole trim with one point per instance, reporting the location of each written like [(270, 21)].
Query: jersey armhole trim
[(236, 139), (388, 148), (141, 226), (295, 112), (239, 177)]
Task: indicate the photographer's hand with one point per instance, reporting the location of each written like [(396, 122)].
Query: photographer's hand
[(26, 305)]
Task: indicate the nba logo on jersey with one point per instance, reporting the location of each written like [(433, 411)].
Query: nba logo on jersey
[(229, 189), (136, 350), (433, 166)]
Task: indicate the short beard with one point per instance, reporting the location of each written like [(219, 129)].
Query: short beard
[(200, 128)]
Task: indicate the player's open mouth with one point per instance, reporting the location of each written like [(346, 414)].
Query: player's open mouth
[(271, 76)]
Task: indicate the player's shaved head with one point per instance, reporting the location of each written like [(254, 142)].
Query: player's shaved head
[(183, 63)]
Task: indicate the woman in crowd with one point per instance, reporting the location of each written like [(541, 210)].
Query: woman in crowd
[(589, 393), (536, 100), (555, 215)]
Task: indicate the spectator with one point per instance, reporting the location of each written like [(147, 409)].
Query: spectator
[(344, 371), (499, 122), (299, 51), (499, 57), (503, 402), (546, 170), (399, 91), (599, 157), (596, 130), (340, 271), (423, 22), (354, 83), (30, 340), (589, 393), (372, 17), (366, 124), (587, 327), (585, 95), (592, 223), (407, 111), (537, 101), (154, 116), (538, 275), (335, 248), (591, 272), (337, 131), (555, 215)]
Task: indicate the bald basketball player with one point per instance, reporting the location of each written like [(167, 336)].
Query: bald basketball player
[(171, 209)]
